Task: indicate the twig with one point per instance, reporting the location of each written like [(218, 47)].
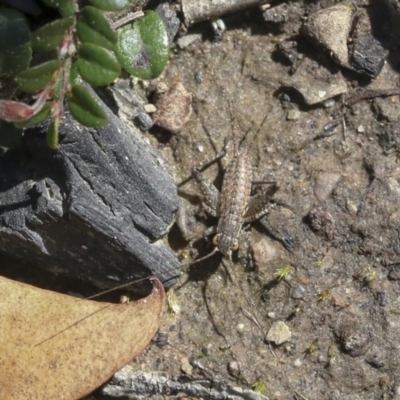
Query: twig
[(371, 94), (126, 19), (130, 383), (202, 10)]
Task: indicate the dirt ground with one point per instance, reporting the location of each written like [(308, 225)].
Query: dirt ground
[(335, 221), (325, 260)]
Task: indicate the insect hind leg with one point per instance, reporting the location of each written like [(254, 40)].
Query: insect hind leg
[(259, 204)]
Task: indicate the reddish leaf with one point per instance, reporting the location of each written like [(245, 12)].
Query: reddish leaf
[(13, 111)]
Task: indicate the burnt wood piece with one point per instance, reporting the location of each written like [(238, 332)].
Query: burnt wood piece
[(95, 209)]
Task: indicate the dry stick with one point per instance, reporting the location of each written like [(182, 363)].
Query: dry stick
[(299, 394), (370, 94), (126, 19), (204, 10)]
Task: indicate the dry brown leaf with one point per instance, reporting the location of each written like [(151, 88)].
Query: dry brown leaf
[(53, 346)]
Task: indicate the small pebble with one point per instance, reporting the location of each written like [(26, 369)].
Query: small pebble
[(240, 327), (321, 93), (360, 129), (299, 292), (185, 366), (264, 252), (234, 368), (352, 208), (329, 103), (322, 359), (188, 39), (289, 349), (198, 76), (277, 15), (319, 87), (324, 185), (162, 88), (355, 340), (293, 115), (376, 360), (265, 297), (206, 350), (160, 340), (279, 333), (271, 315), (150, 108), (297, 362), (174, 108)]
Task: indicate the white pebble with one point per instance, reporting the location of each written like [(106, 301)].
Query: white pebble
[(279, 333), (361, 129), (297, 362)]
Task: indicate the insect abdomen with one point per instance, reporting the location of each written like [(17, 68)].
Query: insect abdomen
[(235, 196)]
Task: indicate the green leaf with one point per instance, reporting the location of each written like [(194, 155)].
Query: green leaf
[(39, 117), (52, 134), (111, 5), (74, 77), (10, 135), (15, 45), (67, 10), (34, 79), (57, 3), (143, 47), (85, 109), (93, 27), (97, 65), (50, 36)]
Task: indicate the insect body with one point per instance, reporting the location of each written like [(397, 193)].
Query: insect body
[(234, 200), (234, 205)]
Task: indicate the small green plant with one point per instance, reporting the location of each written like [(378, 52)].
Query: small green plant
[(323, 295), (172, 303), (370, 277), (82, 46), (332, 354), (260, 386), (311, 348), (283, 272)]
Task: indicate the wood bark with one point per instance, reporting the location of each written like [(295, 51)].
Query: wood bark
[(128, 383), (95, 209)]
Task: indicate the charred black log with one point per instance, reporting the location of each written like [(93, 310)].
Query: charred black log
[(96, 209)]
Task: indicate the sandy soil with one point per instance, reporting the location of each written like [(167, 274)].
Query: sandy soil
[(335, 221)]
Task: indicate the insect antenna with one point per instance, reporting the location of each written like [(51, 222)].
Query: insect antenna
[(238, 142), (236, 145), (97, 311), (118, 287), (256, 132), (219, 154), (216, 250), (229, 270)]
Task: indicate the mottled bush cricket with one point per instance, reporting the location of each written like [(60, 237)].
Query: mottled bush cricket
[(234, 206)]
